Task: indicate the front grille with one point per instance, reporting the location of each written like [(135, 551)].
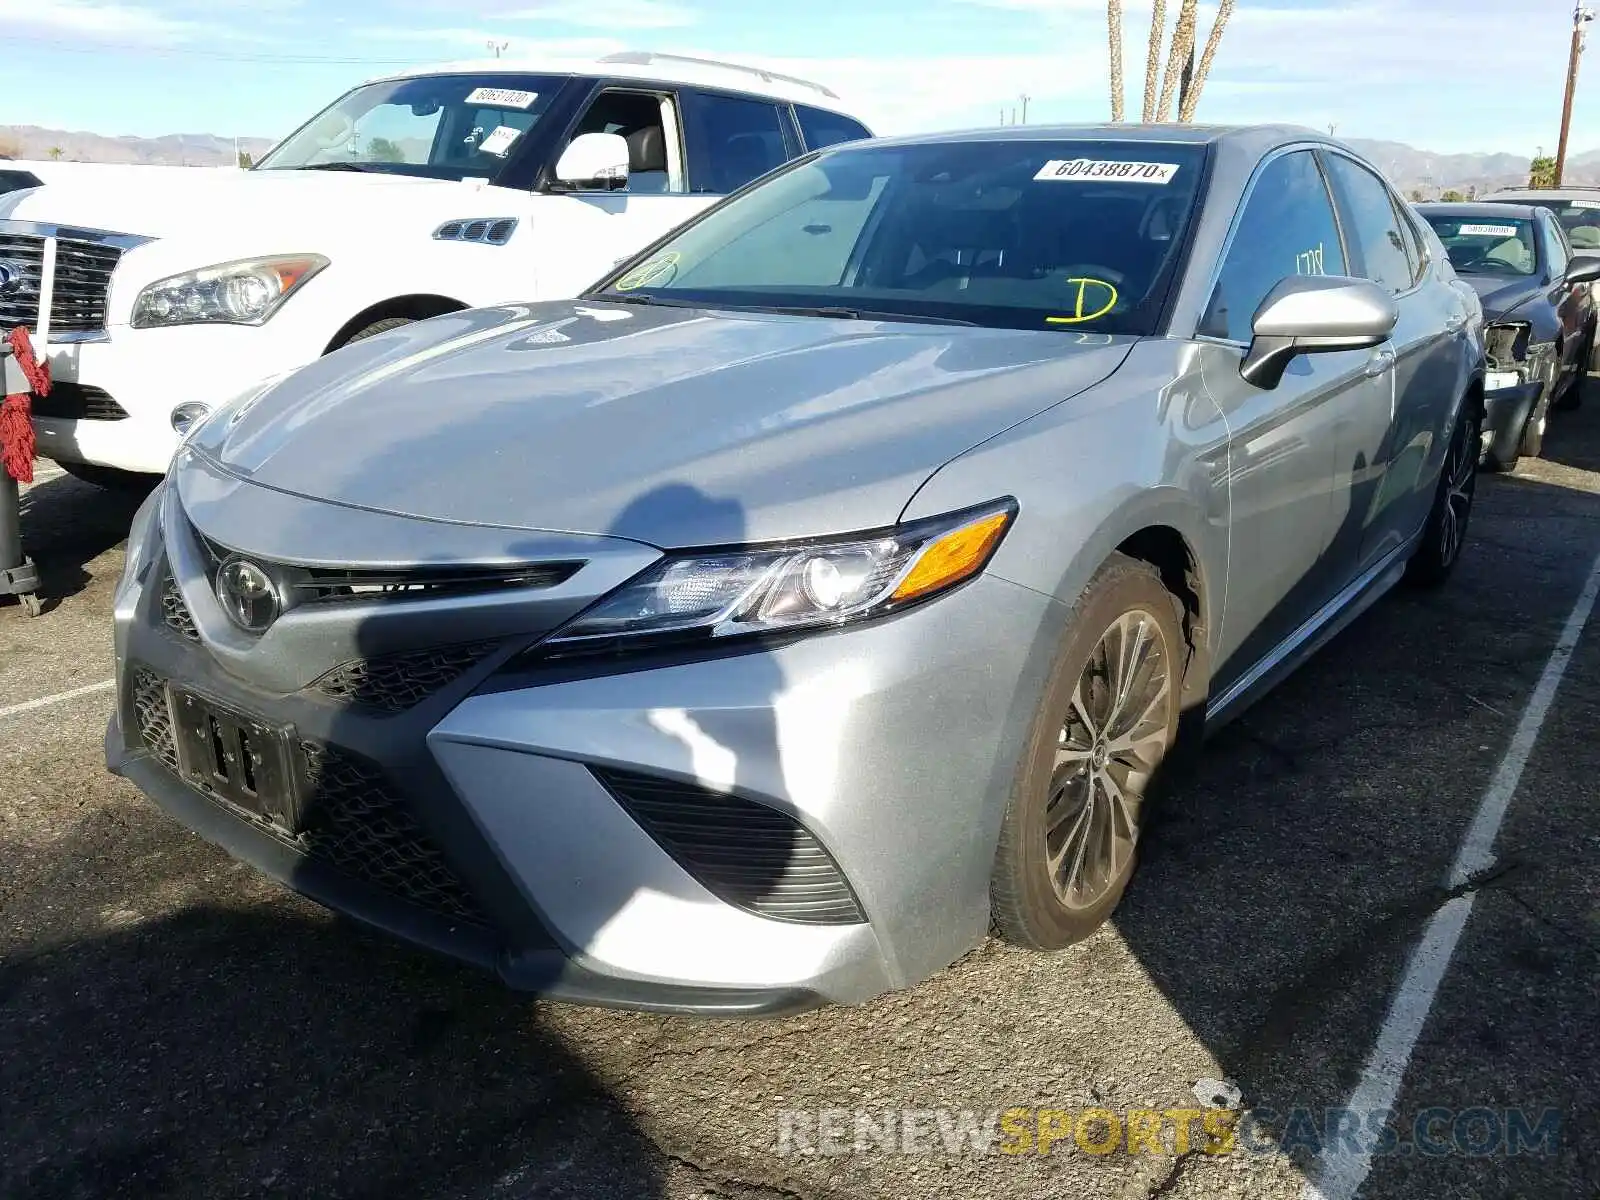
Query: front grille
[(354, 822), (357, 825), (82, 282), (155, 720), (747, 854), (78, 402), (396, 682), (174, 611)]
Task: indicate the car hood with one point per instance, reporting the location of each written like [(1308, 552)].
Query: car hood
[(194, 202), (668, 425), (1501, 294)]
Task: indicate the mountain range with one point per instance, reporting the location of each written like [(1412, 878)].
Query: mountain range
[(1413, 170)]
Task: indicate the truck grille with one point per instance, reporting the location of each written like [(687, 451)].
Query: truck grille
[(82, 282)]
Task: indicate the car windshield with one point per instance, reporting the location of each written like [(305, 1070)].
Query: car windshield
[(437, 126), (1580, 218), (1063, 235), (1488, 245)]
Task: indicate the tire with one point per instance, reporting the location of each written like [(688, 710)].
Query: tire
[(1064, 765), (1532, 445), (110, 478), (1437, 553), (374, 329)]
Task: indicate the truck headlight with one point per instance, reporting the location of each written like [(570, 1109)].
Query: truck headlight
[(246, 292)]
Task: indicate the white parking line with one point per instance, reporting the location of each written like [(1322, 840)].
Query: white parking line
[(89, 689), (1340, 1172)]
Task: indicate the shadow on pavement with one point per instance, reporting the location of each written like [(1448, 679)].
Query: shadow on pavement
[(67, 524), (270, 1050)]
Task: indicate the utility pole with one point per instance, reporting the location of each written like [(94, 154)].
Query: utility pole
[(1025, 98), (1580, 16), (497, 47)]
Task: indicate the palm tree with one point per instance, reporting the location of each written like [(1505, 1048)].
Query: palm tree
[(1224, 11), (56, 152), (1152, 62), (1114, 28), (1182, 47)]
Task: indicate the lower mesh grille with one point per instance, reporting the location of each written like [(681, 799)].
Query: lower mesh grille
[(155, 721), (174, 611), (357, 825), (747, 854), (355, 822), (396, 682)]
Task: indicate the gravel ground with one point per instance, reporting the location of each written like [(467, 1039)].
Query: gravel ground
[(172, 1024)]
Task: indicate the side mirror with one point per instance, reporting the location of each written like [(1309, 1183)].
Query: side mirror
[(1315, 314), (1584, 268), (595, 160)]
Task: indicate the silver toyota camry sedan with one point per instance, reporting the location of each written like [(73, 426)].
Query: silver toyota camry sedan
[(832, 583)]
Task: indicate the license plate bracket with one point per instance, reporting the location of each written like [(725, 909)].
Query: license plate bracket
[(237, 757)]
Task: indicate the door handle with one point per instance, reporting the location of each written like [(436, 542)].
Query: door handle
[(1379, 363)]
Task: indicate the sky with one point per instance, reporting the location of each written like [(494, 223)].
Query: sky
[(1443, 75)]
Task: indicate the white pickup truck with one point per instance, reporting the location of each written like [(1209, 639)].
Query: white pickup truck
[(157, 294)]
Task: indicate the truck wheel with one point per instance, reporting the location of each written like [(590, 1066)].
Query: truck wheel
[(374, 329), (110, 478)]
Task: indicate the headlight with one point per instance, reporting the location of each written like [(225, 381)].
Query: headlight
[(246, 292), (766, 590)]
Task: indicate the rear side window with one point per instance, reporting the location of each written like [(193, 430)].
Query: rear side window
[(1287, 228), (1371, 219), (731, 140), (1555, 247), (823, 128)]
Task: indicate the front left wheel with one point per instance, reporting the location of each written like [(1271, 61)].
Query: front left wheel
[(1108, 720), (1444, 534)]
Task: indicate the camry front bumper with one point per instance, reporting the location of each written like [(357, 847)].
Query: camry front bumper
[(745, 832), (1506, 412)]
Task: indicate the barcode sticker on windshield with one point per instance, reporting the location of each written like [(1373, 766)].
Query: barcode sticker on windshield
[(500, 140), (502, 97), (1502, 231), (1072, 170), (1584, 203)]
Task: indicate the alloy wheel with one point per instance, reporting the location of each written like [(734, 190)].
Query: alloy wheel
[(1461, 482), (1108, 748)]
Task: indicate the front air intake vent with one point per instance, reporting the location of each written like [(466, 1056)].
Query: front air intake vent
[(747, 854), (396, 682), (490, 231)]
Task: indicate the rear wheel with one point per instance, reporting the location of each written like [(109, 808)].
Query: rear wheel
[(1439, 550), (1094, 758)]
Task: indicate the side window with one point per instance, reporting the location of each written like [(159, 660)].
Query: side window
[(731, 140), (1556, 251), (643, 118), (1286, 228), (1370, 220), (1413, 241), (822, 128)]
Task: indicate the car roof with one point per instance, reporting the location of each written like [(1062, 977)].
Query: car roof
[(1257, 137), (1477, 208), (644, 65), (1573, 192)]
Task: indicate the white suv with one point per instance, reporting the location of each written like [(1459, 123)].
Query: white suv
[(159, 294)]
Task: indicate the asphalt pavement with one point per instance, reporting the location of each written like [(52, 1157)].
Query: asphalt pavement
[(174, 1025)]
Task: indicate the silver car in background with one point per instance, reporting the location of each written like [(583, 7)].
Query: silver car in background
[(831, 582)]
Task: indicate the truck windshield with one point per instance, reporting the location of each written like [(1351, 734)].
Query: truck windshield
[(1075, 236), (436, 126)]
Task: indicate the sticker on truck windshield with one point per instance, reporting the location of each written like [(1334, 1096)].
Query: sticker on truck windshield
[(502, 97), (1072, 170), (500, 141), (1583, 204), (1501, 231)]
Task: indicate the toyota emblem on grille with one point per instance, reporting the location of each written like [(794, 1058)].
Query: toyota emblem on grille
[(247, 594), (12, 279)]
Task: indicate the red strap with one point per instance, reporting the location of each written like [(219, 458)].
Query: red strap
[(37, 373), (16, 425)]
